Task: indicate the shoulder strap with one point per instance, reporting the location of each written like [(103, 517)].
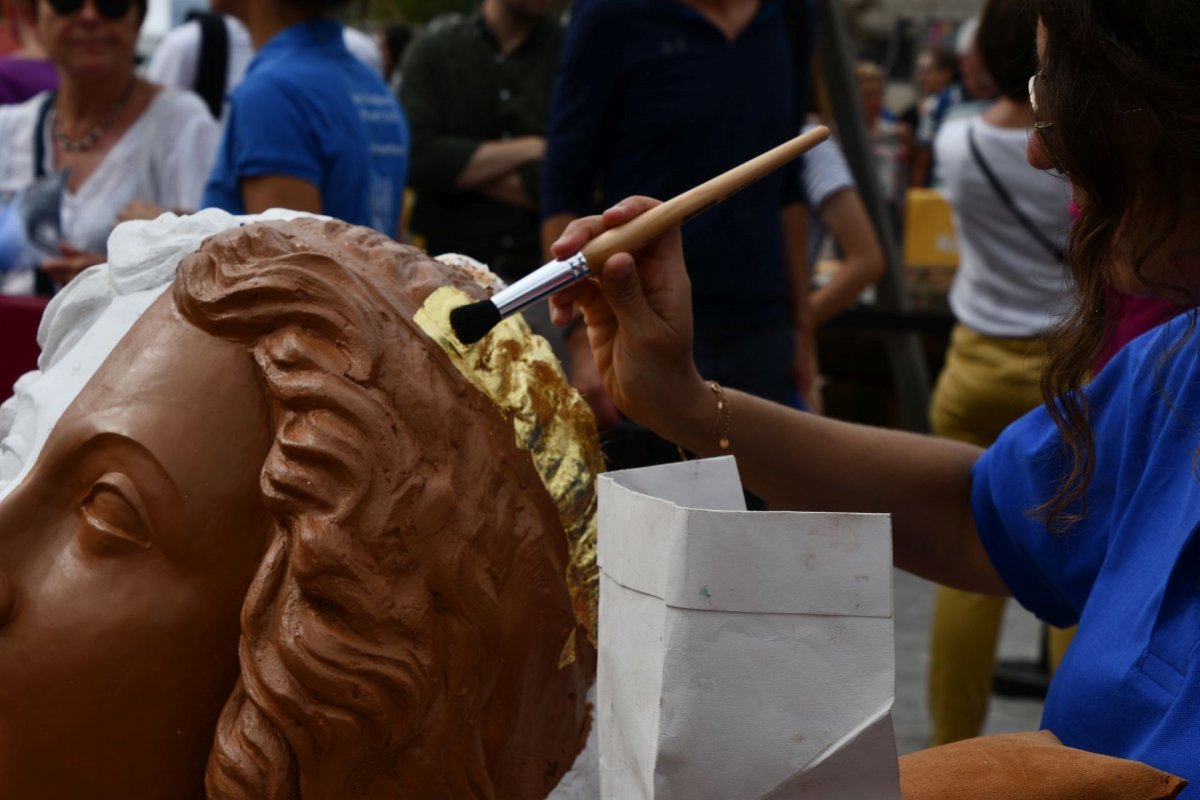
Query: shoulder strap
[(43, 286), (214, 62), (1007, 199), (39, 136)]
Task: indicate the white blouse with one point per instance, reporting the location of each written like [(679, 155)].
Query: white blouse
[(163, 158)]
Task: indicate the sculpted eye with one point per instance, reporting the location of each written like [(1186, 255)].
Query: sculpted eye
[(113, 509)]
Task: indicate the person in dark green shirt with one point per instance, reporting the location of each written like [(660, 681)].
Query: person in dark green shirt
[(476, 93)]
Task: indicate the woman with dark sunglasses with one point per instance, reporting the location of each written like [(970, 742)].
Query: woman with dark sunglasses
[(1086, 510), (310, 127), (109, 136)]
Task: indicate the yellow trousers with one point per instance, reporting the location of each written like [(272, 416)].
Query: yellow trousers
[(987, 383)]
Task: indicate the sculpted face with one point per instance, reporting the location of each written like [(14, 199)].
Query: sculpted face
[(125, 556)]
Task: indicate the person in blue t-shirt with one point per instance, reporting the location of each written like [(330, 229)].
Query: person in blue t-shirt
[(1087, 510), (310, 128)]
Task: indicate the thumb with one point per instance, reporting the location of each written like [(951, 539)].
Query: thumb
[(623, 289)]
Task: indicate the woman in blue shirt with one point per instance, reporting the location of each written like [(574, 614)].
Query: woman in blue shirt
[(1087, 510), (310, 127)]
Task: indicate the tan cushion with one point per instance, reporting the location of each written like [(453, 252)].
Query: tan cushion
[(1028, 766)]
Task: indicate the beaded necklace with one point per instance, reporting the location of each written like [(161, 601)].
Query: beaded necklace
[(89, 141)]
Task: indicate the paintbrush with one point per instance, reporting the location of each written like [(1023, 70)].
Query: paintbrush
[(472, 322)]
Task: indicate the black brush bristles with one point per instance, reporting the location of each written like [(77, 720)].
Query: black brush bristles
[(471, 323)]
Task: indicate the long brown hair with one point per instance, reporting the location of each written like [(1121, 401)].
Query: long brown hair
[(1119, 83)]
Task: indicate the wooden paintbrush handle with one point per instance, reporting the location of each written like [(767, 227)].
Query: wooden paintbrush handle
[(642, 229)]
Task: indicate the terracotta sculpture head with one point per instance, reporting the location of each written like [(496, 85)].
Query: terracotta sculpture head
[(277, 546)]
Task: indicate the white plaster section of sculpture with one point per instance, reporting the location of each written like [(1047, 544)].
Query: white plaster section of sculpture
[(85, 321)]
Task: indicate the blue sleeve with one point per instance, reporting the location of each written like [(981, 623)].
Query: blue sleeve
[(1137, 429), (582, 104), (274, 134), (1012, 478)]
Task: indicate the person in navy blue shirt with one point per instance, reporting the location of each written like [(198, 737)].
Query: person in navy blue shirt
[(310, 127), (1087, 510), (654, 97)]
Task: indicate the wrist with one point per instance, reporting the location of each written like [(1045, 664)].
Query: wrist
[(692, 419)]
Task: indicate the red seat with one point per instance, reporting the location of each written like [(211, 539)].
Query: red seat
[(19, 319)]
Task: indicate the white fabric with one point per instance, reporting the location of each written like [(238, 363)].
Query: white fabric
[(177, 57), (164, 158), (363, 47), (825, 174), (1007, 284)]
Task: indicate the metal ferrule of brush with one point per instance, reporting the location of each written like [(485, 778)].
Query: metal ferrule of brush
[(540, 284)]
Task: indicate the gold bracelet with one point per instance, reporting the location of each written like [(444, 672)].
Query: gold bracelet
[(722, 423), (724, 419)]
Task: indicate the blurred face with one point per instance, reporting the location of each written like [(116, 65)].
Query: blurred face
[(975, 76), (83, 41), (125, 557), (528, 9), (870, 91), (931, 79)]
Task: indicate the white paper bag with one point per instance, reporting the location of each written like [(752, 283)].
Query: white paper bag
[(743, 655)]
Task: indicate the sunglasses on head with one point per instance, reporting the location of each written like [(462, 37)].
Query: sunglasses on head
[(112, 9)]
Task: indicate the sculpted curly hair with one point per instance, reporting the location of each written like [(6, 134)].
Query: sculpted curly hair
[(403, 632)]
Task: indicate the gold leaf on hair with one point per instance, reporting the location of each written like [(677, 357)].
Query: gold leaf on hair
[(551, 421)]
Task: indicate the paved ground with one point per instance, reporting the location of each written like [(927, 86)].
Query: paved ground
[(913, 605)]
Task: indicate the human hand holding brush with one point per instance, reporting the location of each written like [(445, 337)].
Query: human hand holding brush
[(638, 317)]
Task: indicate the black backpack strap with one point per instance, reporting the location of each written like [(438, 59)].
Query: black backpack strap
[(39, 136), (1008, 201), (42, 285), (214, 62)]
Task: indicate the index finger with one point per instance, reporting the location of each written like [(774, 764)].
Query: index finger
[(578, 233), (581, 231)]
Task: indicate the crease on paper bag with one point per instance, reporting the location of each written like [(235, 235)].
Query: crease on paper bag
[(846, 767)]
